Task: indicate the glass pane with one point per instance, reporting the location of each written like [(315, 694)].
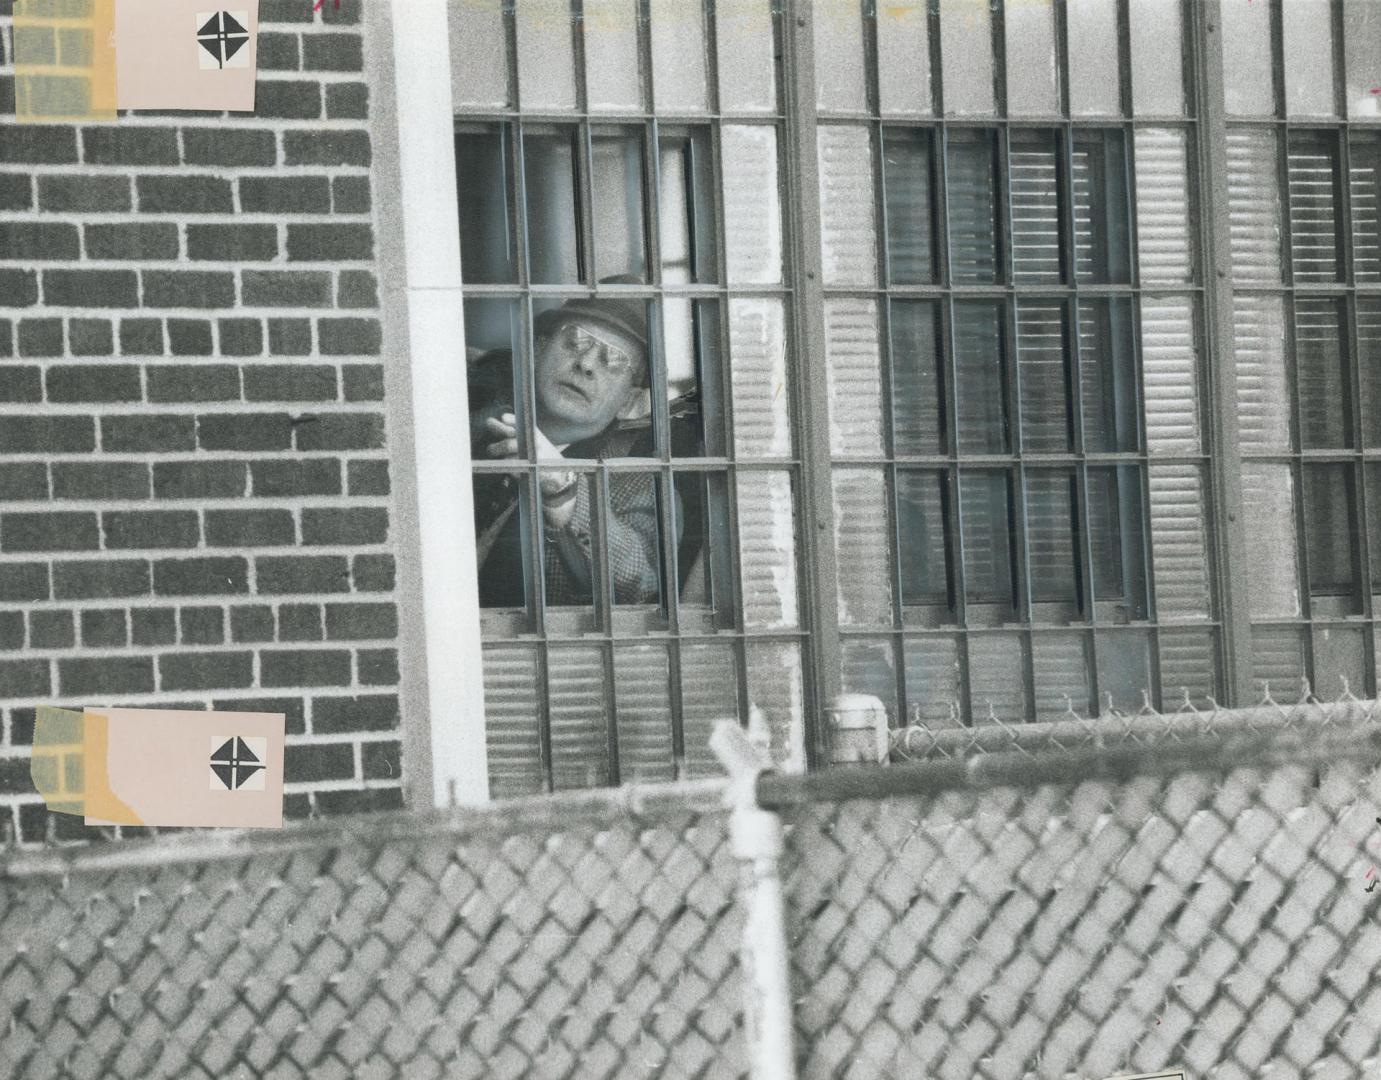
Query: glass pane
[(570, 539), (1107, 367), (704, 551), (512, 717), (678, 56), (922, 517), (642, 697), (1315, 247), (1170, 375), (1278, 662), (488, 244), (868, 669), (1035, 204), (479, 71), (1124, 670), (611, 54), (904, 59), (1188, 668), (1369, 368), (616, 197), (746, 53), (862, 542), (686, 215), (839, 81), (907, 167), (1373, 495), (1157, 55), (1263, 393), (1248, 86), (503, 529), (546, 60), (767, 549), (1365, 183), (1052, 525), (694, 374), (848, 237), (1059, 665), (1179, 542), (1362, 44), (1325, 410), (854, 377), (972, 205), (1164, 244), (1102, 241), (1253, 207), (776, 686), (933, 694), (553, 234), (1330, 526), (1268, 508), (966, 43), (985, 510), (757, 366), (752, 225), (709, 692), (917, 394), (1033, 83), (980, 369), (1339, 662), (579, 734), (1117, 540), (1043, 371), (1307, 29), (995, 689), (1093, 65)]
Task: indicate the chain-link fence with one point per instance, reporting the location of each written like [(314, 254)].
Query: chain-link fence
[(1078, 899)]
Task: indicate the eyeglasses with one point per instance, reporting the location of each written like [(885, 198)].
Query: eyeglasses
[(581, 342)]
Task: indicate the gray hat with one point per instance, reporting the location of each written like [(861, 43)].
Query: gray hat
[(626, 315)]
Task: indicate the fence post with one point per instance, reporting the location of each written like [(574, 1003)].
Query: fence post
[(757, 840)]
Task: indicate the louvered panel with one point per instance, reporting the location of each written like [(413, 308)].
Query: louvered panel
[(1170, 375), (1059, 665), (579, 735), (1082, 187), (709, 692), (758, 374), (972, 207), (1164, 246), (921, 531), (1179, 546), (1052, 551), (985, 510), (1035, 210), (917, 408), (642, 696), (1188, 668), (752, 221), (1278, 662), (1369, 368), (1263, 396), (1313, 208), (767, 549), (1365, 185), (1106, 373), (848, 232), (511, 717), (854, 377), (933, 676), (775, 685), (996, 679), (1253, 206), (906, 164), (978, 364), (1268, 509), (861, 538), (1043, 369), (1321, 376)]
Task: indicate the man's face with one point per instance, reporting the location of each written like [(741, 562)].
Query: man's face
[(585, 374)]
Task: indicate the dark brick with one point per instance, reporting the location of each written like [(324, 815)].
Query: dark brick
[(49, 531), (141, 337), (18, 287), (293, 709), (100, 480), (40, 337), (382, 759), (200, 382), (198, 479), (137, 241), (342, 431), (232, 243), (241, 337), (368, 477), (153, 626), (368, 712), (189, 337), (315, 476), (106, 677), (249, 528), (39, 241), (91, 337), (31, 144), (47, 434), (118, 144), (21, 481), (150, 528), (188, 288), (16, 191), (302, 574), (349, 337), (94, 382), (358, 801), (251, 623), (202, 625), (373, 573), (326, 147), (278, 52), (347, 101), (100, 580), (215, 576), (25, 679), (342, 15), (244, 431), (350, 195), (23, 581), (6, 337), (284, 194), (206, 671), (52, 630), (290, 382), (21, 383), (184, 195), (288, 11), (84, 193), (363, 382), (330, 243), (377, 667), (90, 288), (14, 771), (304, 667), (287, 99), (286, 288), (290, 337), (11, 630), (139, 434), (104, 627), (329, 761), (299, 622), (356, 622), (228, 146), (356, 289), (354, 526), (332, 52)]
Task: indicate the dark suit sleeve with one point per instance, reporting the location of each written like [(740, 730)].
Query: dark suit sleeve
[(634, 547)]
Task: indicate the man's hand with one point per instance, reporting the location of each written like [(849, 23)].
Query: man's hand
[(557, 486)]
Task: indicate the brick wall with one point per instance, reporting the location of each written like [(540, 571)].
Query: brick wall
[(194, 485)]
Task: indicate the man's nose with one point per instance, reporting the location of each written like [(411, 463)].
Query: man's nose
[(587, 362)]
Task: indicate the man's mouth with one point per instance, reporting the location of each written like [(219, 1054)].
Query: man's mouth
[(576, 388)]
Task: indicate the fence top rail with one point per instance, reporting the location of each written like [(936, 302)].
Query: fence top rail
[(633, 804)]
